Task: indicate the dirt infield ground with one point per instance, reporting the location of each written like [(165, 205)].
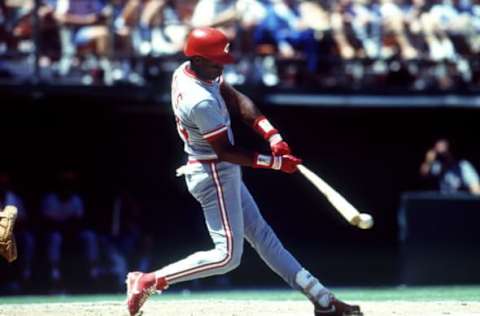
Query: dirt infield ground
[(237, 308)]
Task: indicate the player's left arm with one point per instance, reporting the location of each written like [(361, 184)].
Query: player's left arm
[(242, 106), (212, 124)]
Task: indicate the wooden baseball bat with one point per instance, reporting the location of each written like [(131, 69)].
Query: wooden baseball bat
[(345, 208)]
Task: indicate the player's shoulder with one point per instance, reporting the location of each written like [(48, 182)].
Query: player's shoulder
[(184, 78), (199, 104), (192, 91)]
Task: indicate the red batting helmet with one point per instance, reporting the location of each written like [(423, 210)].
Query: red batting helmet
[(208, 43)]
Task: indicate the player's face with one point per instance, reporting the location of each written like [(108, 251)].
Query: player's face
[(208, 69)]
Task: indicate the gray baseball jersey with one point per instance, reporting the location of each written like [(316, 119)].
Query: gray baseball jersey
[(200, 112), (230, 211)]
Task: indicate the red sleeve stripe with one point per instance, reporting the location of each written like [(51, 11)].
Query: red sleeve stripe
[(215, 132)]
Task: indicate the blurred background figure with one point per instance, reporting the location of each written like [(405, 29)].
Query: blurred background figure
[(23, 234), (450, 174), (356, 29), (158, 27), (12, 14), (146, 29), (125, 240), (238, 20), (231, 16), (395, 36), (67, 232), (290, 37), (21, 38), (414, 45), (285, 27), (128, 230), (84, 29)]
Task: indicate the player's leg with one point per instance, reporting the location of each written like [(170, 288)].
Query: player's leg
[(264, 240), (218, 192), (217, 188)]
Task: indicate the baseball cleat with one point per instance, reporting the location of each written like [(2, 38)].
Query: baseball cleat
[(137, 292), (338, 308)]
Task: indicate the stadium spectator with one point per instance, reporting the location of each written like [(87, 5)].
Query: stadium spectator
[(395, 37), (83, 25), (171, 25), (340, 29), (443, 18), (367, 27), (125, 243), (11, 12), (450, 174), (315, 15), (284, 26), (238, 20), (357, 29), (63, 211), (420, 27), (228, 15), (127, 228), (17, 42), (159, 27), (433, 43)]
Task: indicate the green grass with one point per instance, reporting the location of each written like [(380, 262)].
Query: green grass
[(440, 293)]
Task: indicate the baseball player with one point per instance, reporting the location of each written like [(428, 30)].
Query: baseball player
[(203, 105)]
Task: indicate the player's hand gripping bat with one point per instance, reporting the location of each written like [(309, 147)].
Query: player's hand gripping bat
[(347, 210)]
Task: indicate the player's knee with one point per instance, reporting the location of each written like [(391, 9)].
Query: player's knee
[(232, 260), (230, 265)]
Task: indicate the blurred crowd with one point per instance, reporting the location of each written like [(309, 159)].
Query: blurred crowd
[(66, 244), (355, 44)]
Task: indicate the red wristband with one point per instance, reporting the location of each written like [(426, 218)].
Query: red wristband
[(264, 128)]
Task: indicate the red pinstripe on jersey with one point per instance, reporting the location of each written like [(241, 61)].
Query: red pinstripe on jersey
[(215, 133), (226, 227)]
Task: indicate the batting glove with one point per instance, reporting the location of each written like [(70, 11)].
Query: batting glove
[(285, 163), (280, 148)]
